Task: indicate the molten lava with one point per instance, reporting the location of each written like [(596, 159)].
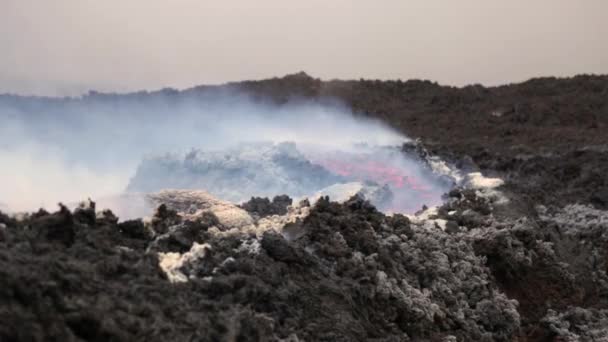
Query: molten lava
[(411, 185)]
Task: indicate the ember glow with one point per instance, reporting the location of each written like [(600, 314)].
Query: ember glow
[(412, 184)]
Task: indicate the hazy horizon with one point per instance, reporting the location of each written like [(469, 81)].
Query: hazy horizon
[(68, 47)]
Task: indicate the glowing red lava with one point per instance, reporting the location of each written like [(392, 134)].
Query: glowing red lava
[(410, 189), (362, 170)]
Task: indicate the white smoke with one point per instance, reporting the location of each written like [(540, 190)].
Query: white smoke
[(67, 150), (36, 176)]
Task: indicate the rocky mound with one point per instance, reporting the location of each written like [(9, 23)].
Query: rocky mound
[(480, 267), (352, 274), (263, 207), (546, 139), (236, 174)]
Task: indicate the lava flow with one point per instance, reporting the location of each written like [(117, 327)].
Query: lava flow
[(412, 185)]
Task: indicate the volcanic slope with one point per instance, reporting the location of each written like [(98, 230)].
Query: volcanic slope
[(353, 274), (526, 261), (546, 138)]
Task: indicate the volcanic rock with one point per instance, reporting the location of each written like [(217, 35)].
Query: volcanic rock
[(350, 276), (236, 174), (530, 269), (194, 204), (369, 191), (263, 207)]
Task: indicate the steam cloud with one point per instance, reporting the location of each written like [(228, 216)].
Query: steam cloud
[(66, 150)]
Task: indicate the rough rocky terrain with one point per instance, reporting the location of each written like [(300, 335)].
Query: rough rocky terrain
[(519, 256), (260, 169), (547, 139)]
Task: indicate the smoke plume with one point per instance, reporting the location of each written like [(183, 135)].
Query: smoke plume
[(70, 149)]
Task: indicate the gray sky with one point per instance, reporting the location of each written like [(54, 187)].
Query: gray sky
[(64, 47)]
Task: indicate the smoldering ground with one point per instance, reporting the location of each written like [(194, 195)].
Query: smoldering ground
[(70, 149)]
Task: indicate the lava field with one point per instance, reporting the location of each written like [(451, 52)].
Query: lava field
[(516, 250)]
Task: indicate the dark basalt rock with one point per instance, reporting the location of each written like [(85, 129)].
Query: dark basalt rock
[(599, 198), (354, 274), (263, 207), (134, 229), (57, 227)]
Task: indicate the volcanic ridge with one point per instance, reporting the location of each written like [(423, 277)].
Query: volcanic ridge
[(511, 246)]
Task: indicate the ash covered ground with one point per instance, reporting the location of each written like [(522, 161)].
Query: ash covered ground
[(516, 251)]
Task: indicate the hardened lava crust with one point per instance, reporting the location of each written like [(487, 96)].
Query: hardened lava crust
[(518, 251)]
